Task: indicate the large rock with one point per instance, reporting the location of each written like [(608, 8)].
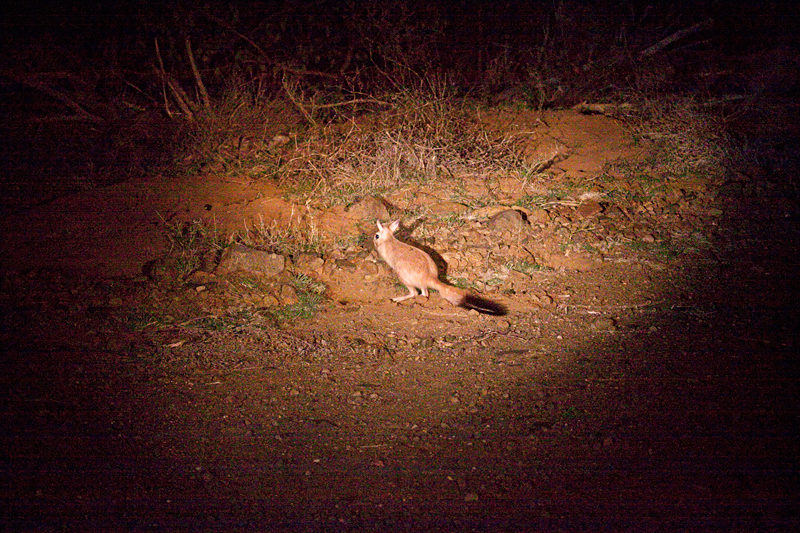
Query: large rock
[(508, 220), (241, 258)]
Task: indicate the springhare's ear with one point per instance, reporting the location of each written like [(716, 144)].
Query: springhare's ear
[(378, 223), (394, 226)]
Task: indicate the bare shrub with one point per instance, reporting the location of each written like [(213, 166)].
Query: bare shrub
[(423, 135)]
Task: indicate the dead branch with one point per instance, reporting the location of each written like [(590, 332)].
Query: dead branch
[(268, 60), (197, 78), (162, 73), (296, 99), (660, 45), (178, 94), (351, 102), (181, 98), (39, 83)]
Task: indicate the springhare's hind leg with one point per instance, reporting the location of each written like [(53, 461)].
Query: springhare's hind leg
[(412, 292)]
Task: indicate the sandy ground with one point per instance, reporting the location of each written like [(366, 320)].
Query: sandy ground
[(640, 392)]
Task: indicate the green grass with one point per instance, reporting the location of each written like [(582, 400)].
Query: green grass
[(660, 250), (526, 267), (462, 283), (310, 298), (189, 243)]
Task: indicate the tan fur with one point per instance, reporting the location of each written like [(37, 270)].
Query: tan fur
[(414, 267)]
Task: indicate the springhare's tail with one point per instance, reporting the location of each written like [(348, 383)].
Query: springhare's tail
[(467, 300), (483, 305)]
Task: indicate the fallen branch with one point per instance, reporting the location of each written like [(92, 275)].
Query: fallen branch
[(298, 100), (284, 68), (39, 83), (653, 50), (351, 102)]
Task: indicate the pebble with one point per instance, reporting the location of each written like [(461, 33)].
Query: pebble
[(604, 324)]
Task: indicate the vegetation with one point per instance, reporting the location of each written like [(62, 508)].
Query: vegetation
[(334, 103), (365, 97)]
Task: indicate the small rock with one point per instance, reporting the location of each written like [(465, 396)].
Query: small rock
[(346, 265), (288, 295), (589, 209), (368, 268), (279, 140), (508, 220), (308, 262), (161, 271), (604, 324), (511, 186), (538, 216), (269, 301)]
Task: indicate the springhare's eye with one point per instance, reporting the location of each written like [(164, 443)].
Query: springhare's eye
[(377, 235)]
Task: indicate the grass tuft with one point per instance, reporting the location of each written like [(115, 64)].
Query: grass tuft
[(292, 240), (191, 244)]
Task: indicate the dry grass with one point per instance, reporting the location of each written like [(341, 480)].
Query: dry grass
[(289, 241), (422, 136), (240, 134), (192, 244)]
